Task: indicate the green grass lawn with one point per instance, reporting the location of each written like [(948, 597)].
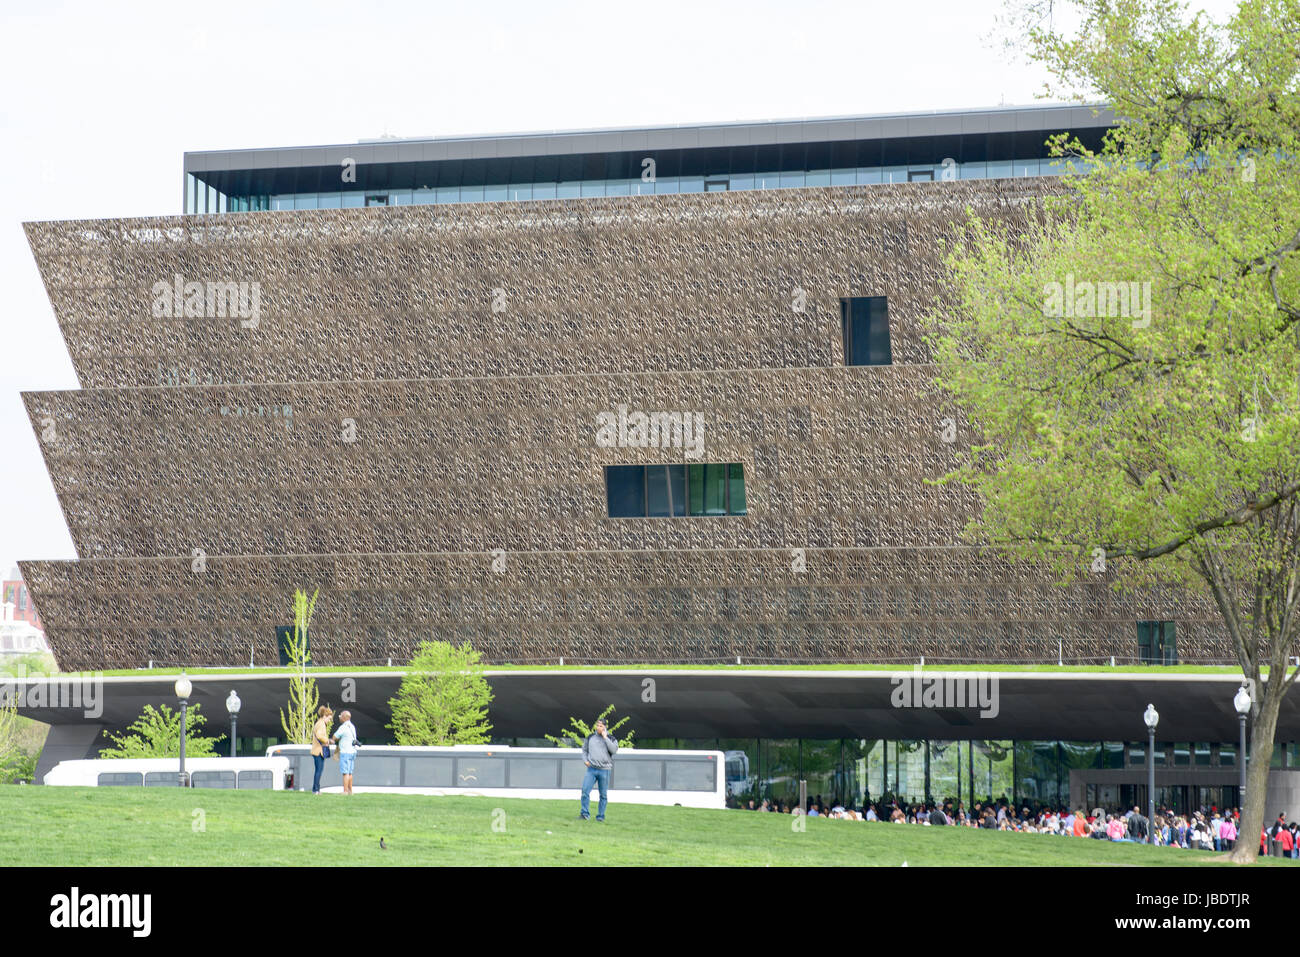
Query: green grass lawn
[(156, 826)]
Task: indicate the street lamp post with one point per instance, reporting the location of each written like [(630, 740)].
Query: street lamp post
[(183, 689), (1241, 702), (1152, 718), (232, 705)]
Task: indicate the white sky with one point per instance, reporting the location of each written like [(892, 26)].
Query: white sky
[(100, 100)]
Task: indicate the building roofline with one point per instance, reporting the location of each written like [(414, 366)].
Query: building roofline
[(671, 136)]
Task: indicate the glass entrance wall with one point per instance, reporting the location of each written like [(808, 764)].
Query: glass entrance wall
[(854, 771)]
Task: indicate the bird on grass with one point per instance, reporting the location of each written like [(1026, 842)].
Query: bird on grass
[(382, 845)]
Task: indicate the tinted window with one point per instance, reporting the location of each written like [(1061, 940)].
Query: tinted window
[(692, 775), (625, 490), (666, 490), (160, 779), (736, 490), (378, 770), (534, 773), (572, 771), (866, 331), (638, 775), (255, 781), (212, 779), (480, 772), (428, 772), (122, 779)]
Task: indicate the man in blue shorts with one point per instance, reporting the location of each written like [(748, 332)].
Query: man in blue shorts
[(346, 736)]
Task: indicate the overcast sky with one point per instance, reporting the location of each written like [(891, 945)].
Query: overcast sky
[(100, 101)]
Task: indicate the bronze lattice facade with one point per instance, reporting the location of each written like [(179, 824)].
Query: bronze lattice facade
[(409, 421)]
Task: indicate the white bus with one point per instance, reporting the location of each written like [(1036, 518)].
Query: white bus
[(688, 778), (256, 774)]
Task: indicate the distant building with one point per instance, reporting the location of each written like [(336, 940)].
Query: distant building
[(14, 590), (18, 637)]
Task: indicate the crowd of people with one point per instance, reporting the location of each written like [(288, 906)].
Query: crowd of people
[(1209, 829)]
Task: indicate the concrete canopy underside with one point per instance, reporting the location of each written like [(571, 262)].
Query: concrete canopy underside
[(694, 704)]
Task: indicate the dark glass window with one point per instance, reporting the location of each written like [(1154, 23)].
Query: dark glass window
[(213, 779), (481, 772), (123, 779), (736, 489), (866, 331), (379, 770), (638, 775), (670, 491), (625, 490), (534, 773), (160, 779), (665, 490), (255, 781), (1157, 642), (428, 771), (708, 489), (691, 775)]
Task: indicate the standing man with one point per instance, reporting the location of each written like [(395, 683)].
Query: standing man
[(346, 736), (598, 754)]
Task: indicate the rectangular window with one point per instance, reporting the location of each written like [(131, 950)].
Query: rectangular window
[(213, 779), (484, 771), (672, 491), (123, 779), (708, 489), (255, 781), (625, 491), (534, 773), (665, 490), (427, 771), (736, 489), (1157, 642), (638, 775), (866, 331)]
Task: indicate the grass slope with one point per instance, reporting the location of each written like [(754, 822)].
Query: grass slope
[(155, 826)]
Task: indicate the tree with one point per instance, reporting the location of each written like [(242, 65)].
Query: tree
[(157, 734), (443, 698), (304, 697), (10, 754), (1130, 361), (578, 732)]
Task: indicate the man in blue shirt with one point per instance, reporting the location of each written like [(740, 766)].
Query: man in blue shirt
[(346, 736), (598, 754)]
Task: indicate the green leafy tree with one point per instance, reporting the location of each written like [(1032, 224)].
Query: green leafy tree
[(304, 696), (443, 698), (578, 732), (1128, 359), (20, 767), (10, 753), (157, 734)]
